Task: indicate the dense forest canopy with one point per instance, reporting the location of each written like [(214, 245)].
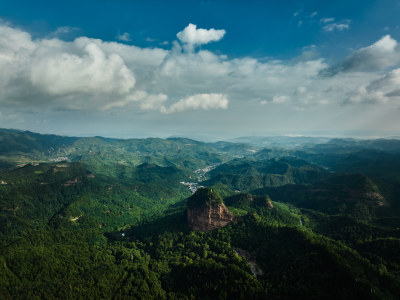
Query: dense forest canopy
[(101, 218)]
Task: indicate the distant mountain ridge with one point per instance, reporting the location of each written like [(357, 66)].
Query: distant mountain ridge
[(288, 142), (18, 148), (246, 174)]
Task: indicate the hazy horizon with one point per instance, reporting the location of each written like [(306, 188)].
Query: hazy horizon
[(210, 138)]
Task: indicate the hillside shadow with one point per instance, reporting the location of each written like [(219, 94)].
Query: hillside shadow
[(173, 220)]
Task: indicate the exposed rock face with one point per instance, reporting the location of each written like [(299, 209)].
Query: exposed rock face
[(269, 204), (254, 268), (206, 218), (206, 211)]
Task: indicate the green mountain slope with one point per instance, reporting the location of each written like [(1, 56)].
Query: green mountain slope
[(99, 218), (248, 174)]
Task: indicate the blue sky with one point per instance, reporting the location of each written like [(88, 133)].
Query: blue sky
[(214, 69), (258, 28)]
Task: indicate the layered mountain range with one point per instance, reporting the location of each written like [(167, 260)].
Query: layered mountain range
[(177, 218)]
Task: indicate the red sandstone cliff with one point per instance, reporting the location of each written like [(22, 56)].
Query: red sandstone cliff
[(206, 218), (206, 211)]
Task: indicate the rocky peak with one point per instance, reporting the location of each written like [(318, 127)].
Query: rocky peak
[(206, 211), (246, 200), (263, 201)]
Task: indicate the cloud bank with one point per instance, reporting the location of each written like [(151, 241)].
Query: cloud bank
[(381, 55), (89, 74), (199, 101)]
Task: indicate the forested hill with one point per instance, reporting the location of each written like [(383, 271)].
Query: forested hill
[(15, 141), (100, 218), (21, 147)]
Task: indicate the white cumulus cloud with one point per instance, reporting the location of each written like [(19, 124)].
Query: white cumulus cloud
[(84, 70), (199, 101), (191, 36), (85, 74), (380, 55)]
